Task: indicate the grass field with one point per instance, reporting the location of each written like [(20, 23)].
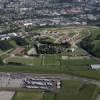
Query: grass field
[(55, 61), (28, 96), (45, 60), (53, 64), (71, 90), (49, 96), (51, 60), (76, 91), (78, 64), (94, 74), (25, 61)]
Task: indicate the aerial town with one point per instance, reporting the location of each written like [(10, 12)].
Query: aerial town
[(49, 49), (19, 13)]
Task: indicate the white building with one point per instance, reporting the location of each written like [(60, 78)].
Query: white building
[(28, 24), (95, 66), (32, 51)]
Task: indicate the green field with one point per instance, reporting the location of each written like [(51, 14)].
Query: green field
[(74, 90), (45, 60), (71, 90), (53, 64), (78, 64), (55, 61), (28, 96), (51, 60), (25, 61)]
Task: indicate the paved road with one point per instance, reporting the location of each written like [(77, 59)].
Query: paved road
[(18, 77), (68, 77)]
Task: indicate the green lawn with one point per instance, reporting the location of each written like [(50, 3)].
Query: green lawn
[(28, 96), (87, 92), (51, 60), (49, 96), (25, 61), (44, 60), (53, 64), (69, 90), (74, 90), (13, 43), (78, 64)]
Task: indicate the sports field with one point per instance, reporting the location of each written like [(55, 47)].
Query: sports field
[(51, 60), (44, 60)]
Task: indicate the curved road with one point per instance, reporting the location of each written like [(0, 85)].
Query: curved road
[(53, 76), (68, 77)]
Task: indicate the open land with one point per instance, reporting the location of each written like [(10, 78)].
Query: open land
[(79, 80)]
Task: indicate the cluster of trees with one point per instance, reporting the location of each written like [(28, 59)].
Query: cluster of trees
[(47, 49), (20, 41), (92, 43), (5, 45), (52, 48)]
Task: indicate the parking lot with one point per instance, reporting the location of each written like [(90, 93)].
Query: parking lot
[(28, 81), (10, 80)]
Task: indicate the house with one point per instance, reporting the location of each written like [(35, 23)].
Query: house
[(32, 51), (28, 24)]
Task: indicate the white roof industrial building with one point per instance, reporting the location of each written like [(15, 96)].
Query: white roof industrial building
[(95, 66)]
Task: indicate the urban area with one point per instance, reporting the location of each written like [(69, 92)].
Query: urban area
[(49, 49)]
